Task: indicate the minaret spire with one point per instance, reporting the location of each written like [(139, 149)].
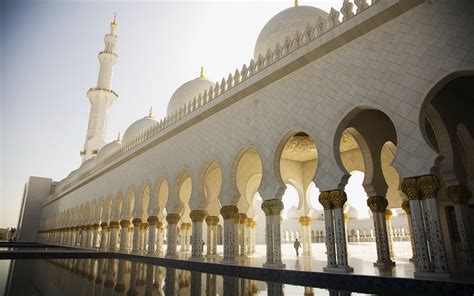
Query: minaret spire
[(102, 96)]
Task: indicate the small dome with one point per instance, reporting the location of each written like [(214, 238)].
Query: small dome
[(86, 165), (292, 213), (108, 149), (138, 127), (352, 213), (187, 92), (285, 24)]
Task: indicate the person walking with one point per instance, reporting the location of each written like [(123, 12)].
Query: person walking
[(297, 246)]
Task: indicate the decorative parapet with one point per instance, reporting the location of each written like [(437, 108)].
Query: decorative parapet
[(311, 33)]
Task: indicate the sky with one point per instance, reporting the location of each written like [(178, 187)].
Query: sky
[(48, 61)]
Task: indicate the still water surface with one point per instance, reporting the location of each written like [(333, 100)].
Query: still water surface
[(91, 276)]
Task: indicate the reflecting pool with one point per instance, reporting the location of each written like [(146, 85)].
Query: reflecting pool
[(99, 276)]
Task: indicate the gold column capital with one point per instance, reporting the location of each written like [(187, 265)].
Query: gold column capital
[(172, 218), (114, 224), (212, 220), (305, 220), (338, 198), (377, 204), (240, 218), (185, 226), (325, 200), (272, 207), (429, 186), (410, 188), (406, 207), (228, 212), (124, 223), (152, 220), (197, 215), (137, 222), (458, 194), (388, 214)]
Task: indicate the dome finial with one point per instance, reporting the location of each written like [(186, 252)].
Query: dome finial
[(296, 3), (201, 75), (118, 136), (113, 24), (150, 113)]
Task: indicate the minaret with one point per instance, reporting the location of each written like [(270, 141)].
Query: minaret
[(101, 97)]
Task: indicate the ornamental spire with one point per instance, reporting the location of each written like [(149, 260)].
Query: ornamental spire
[(201, 75), (113, 24), (150, 113), (296, 3), (118, 136)]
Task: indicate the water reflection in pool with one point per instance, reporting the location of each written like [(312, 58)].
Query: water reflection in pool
[(121, 277)]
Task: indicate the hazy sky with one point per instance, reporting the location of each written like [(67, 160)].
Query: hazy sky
[(48, 60)]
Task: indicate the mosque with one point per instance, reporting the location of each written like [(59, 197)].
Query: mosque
[(380, 87)]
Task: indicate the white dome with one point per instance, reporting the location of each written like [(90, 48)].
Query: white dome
[(292, 213), (187, 92), (86, 165), (285, 24), (352, 213), (108, 149), (318, 214), (138, 127)]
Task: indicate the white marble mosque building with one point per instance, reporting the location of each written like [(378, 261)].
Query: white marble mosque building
[(377, 86)]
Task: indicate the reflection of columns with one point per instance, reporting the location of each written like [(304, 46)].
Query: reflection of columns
[(305, 222), (196, 280), (159, 242), (241, 217), (109, 278), (185, 227), (124, 236), (228, 213), (274, 289), (120, 287), (211, 287), (132, 290), (388, 218), (378, 206), (272, 209), (429, 187), (406, 208), (172, 220), (149, 279), (95, 237), (338, 198), (231, 285), (212, 222), (170, 279), (197, 216), (152, 221), (460, 195), (325, 201), (136, 234)]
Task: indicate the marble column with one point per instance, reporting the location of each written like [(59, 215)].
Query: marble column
[(137, 222), (248, 229), (241, 234), (410, 189), (143, 237), (104, 236), (124, 236), (185, 228), (78, 235), (305, 222), (212, 222), (95, 236), (229, 213), (378, 206), (272, 209), (459, 196), (152, 221), (338, 199), (83, 236), (197, 216), (160, 236), (90, 235), (254, 226), (172, 220), (406, 208), (429, 187), (113, 237), (388, 219), (325, 201)]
